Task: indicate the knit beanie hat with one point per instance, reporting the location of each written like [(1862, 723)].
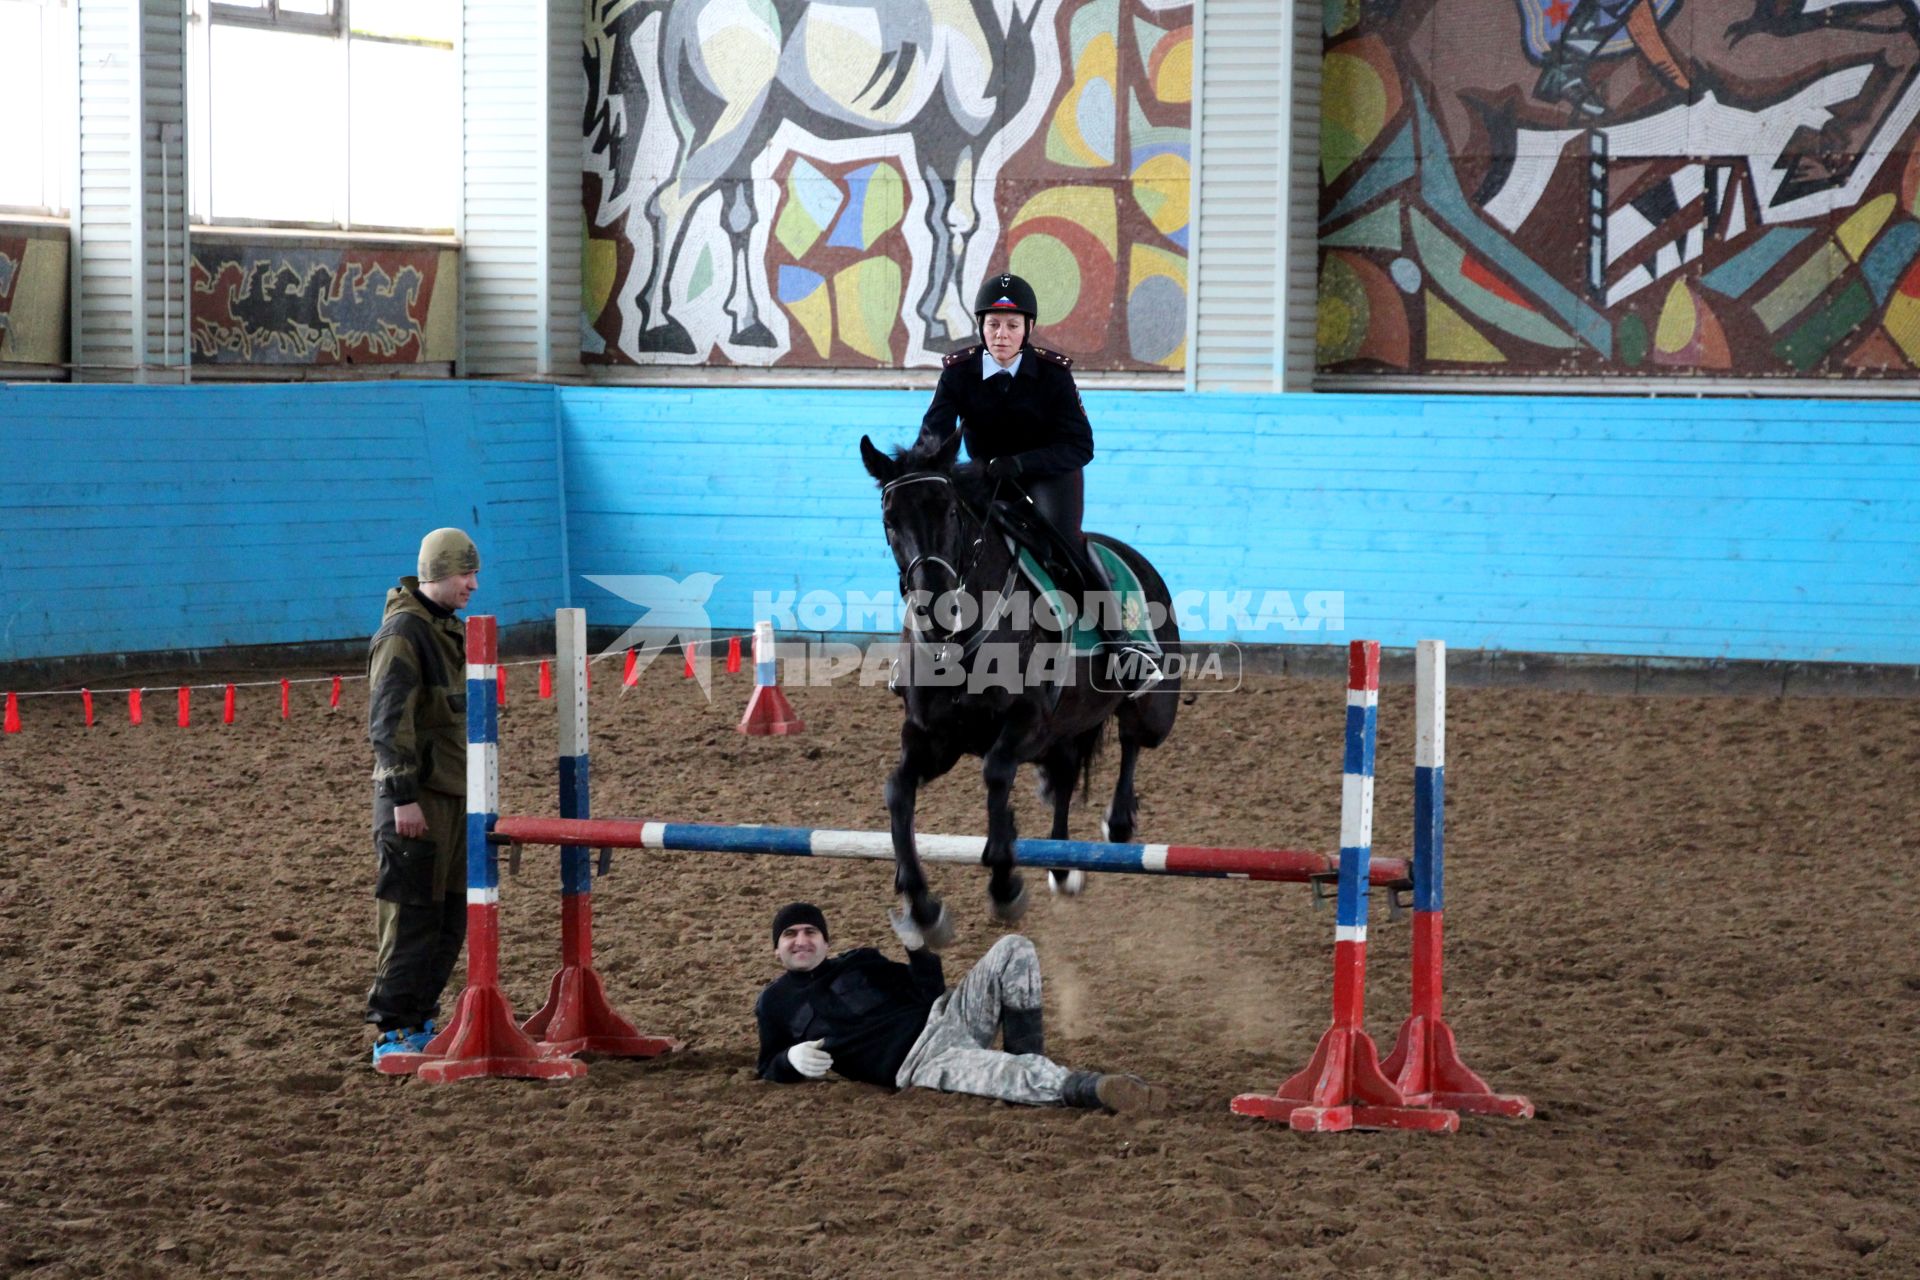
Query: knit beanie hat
[(445, 553), (798, 913)]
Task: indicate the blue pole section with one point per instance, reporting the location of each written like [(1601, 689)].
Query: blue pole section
[(483, 738), (1356, 809), (570, 634)]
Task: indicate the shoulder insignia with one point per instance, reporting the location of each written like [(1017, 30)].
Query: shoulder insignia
[(965, 353), (1054, 357)]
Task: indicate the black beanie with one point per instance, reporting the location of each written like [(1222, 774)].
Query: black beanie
[(798, 913)]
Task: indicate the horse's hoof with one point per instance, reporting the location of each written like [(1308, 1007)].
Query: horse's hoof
[(914, 933), (939, 935), (1116, 831), (1067, 882), (1010, 911), (905, 929)]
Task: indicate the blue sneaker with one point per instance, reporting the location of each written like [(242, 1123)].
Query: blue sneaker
[(399, 1040)]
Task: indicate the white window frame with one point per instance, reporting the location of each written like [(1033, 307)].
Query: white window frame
[(60, 112), (202, 17)]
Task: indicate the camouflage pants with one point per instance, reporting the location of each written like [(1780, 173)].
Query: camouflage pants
[(952, 1054), (420, 910)]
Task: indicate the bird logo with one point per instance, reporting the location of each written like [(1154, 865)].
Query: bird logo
[(673, 616)]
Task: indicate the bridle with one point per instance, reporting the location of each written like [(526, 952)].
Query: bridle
[(968, 562), (922, 477)]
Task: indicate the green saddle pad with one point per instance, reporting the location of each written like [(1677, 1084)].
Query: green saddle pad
[(1127, 589)]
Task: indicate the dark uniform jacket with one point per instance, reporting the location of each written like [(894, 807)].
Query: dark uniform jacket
[(867, 1008), (1035, 413), (417, 698)]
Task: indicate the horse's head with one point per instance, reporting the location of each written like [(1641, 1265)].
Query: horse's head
[(924, 506)]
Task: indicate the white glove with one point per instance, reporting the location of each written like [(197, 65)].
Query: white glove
[(809, 1059)]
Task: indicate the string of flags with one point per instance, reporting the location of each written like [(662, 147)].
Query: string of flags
[(229, 702)]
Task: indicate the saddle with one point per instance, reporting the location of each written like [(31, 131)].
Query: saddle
[(1055, 573)]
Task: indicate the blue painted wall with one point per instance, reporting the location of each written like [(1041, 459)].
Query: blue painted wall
[(143, 518), (1697, 529)]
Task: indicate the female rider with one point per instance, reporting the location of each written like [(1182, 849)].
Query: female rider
[(1020, 414)]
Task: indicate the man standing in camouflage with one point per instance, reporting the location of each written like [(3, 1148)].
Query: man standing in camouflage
[(417, 722), (898, 1026)]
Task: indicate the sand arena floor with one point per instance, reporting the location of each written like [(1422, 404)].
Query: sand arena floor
[(1683, 926)]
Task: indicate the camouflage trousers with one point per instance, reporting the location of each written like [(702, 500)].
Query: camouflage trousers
[(952, 1053), (420, 910)]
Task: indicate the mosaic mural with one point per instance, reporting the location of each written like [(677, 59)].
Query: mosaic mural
[(772, 182), (33, 295), (1621, 187), (277, 304)]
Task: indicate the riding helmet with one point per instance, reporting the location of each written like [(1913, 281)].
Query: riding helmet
[(1007, 293)]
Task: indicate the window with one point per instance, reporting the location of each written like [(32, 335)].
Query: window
[(327, 113), (36, 106)]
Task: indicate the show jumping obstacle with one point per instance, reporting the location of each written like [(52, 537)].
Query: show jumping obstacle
[(1423, 1084)]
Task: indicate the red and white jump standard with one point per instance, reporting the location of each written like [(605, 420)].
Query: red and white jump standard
[(577, 1017), (1343, 1087), (482, 1038), (1424, 1065)]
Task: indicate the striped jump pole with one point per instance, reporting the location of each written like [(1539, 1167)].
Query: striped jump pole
[(577, 1017), (1286, 865), (1343, 1086), (482, 1038), (1425, 1064)]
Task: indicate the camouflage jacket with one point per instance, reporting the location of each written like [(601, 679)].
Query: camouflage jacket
[(417, 698)]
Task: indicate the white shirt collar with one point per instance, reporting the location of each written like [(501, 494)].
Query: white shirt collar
[(989, 366)]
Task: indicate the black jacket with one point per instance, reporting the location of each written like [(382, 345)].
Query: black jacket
[(1036, 413), (867, 1008)]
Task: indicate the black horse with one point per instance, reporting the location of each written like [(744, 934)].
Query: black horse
[(994, 681)]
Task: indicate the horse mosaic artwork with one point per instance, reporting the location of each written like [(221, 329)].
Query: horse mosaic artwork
[(1610, 187)]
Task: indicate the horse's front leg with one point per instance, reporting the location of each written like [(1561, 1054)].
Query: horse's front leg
[(921, 761), (1060, 772), (997, 769)]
